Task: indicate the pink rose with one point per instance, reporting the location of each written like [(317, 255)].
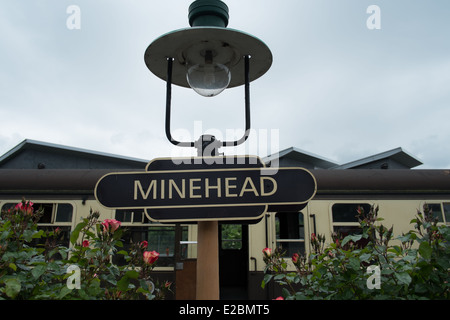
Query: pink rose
[(267, 252), (295, 257), (111, 225), (279, 298), (150, 257)]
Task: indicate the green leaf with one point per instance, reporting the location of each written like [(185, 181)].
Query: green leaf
[(279, 277), (38, 234), (300, 296), (353, 238), (354, 263), (76, 232), (119, 244), (403, 278), (132, 274), (28, 235), (266, 280), (64, 292), (123, 283), (420, 288), (443, 263), (365, 257), (425, 250), (396, 250), (38, 270), (118, 234), (12, 288), (13, 266), (404, 238)]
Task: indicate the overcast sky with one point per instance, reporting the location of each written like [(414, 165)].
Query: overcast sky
[(336, 88)]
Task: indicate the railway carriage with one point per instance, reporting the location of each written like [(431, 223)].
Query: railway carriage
[(67, 196)]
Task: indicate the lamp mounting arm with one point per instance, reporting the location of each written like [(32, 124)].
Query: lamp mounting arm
[(217, 143), (168, 107)]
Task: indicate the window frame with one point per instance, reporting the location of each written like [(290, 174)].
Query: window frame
[(55, 206), (66, 226), (144, 225), (442, 204), (354, 226), (299, 240)]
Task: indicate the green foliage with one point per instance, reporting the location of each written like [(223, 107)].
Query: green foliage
[(39, 271), (416, 266)]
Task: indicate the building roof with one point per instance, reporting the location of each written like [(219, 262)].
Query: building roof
[(393, 159), (397, 156), (302, 157), (32, 154)]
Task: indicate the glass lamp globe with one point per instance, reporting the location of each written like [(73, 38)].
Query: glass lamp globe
[(208, 79)]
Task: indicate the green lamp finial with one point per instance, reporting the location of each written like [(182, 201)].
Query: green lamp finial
[(208, 13)]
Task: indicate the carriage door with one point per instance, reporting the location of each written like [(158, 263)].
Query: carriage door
[(233, 261)]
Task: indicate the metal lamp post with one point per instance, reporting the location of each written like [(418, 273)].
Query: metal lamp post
[(208, 57)]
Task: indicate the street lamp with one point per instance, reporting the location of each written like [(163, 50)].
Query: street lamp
[(208, 57)]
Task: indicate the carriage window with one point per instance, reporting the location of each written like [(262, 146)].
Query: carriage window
[(47, 217), (53, 213), (55, 216), (131, 216), (447, 212), (64, 212), (345, 219), (347, 212), (290, 232), (160, 238), (231, 236), (436, 211)]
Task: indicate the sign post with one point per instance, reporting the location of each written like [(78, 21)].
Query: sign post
[(206, 195), (208, 260)]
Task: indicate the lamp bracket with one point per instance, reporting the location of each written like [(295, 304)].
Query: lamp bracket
[(207, 145)]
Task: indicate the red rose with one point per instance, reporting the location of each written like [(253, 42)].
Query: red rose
[(144, 244), (26, 206), (85, 243), (295, 257), (150, 257)]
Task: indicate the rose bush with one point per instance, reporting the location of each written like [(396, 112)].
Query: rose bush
[(416, 267), (30, 271)]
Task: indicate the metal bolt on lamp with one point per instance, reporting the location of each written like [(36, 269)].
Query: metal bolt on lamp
[(208, 57)]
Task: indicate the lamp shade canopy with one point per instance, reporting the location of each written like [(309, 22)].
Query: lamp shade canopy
[(189, 46), (208, 36)]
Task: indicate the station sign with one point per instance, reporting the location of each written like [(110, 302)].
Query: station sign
[(215, 193)]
